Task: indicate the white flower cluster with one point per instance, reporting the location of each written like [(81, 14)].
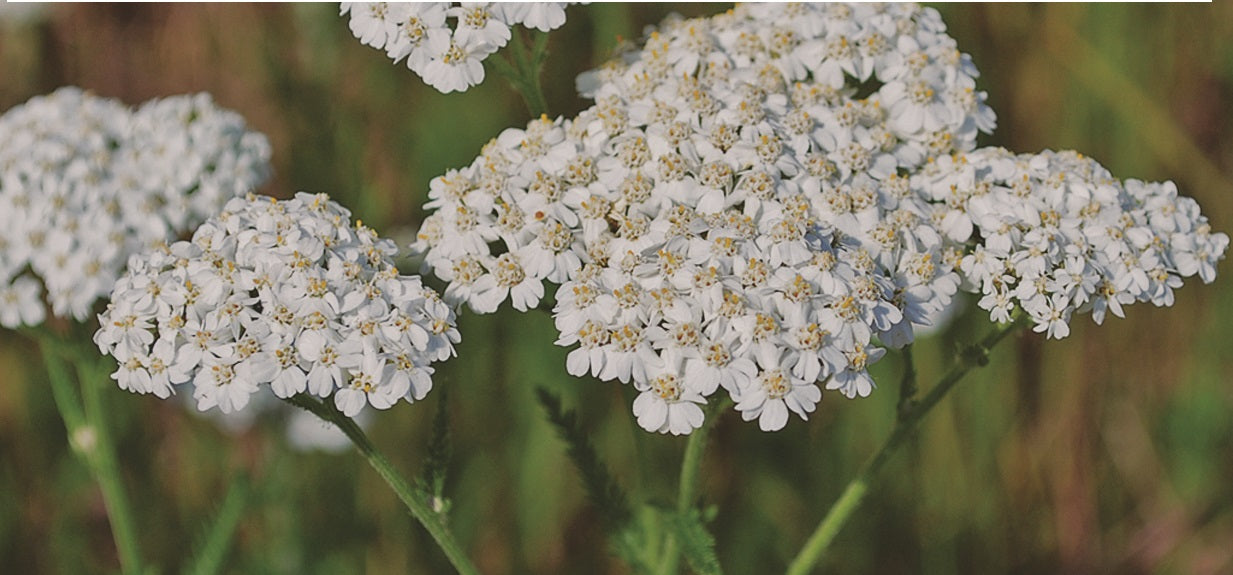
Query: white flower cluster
[(284, 293), (447, 58), (85, 182), (734, 212), (1055, 234)]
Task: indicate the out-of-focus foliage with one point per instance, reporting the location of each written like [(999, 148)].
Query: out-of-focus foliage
[(1108, 451)]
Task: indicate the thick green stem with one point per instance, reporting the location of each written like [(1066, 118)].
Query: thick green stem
[(909, 417), (414, 500), (89, 435), (687, 488)]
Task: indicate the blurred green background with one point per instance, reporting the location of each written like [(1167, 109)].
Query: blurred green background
[(1110, 451)]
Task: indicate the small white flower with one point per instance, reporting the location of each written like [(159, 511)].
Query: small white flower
[(445, 43), (412, 22), (370, 21), (478, 27), (853, 381), (20, 303), (452, 66), (775, 392), (216, 385), (372, 382), (543, 16), (666, 405)]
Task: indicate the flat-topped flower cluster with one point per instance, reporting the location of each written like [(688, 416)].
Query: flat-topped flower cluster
[(1055, 234), (447, 58), (284, 294), (85, 182), (732, 213)]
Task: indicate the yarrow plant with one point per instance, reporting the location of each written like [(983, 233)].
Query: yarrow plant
[(85, 182), (284, 294), (756, 207), (764, 200), (446, 43), (733, 213)]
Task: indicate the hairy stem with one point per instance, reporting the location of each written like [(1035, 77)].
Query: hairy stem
[(909, 417), (687, 488), (414, 500), (907, 387), (89, 435), (522, 69)]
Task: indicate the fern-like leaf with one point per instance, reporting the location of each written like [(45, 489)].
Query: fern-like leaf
[(211, 549), (697, 544), (601, 487)]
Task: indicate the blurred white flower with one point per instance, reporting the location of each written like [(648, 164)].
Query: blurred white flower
[(284, 294), (307, 432), (86, 182)]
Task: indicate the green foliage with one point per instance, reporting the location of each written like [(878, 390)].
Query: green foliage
[(214, 544), (697, 544), (641, 543), (432, 480), (602, 488)]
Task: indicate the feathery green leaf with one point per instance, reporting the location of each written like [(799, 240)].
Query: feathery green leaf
[(603, 490), (439, 450), (211, 549), (697, 544)]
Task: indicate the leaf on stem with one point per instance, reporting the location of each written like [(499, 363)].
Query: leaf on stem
[(697, 544), (641, 542), (602, 488), (439, 451), (212, 547)]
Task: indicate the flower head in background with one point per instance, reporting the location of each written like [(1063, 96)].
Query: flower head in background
[(733, 213), (1056, 234), (284, 294), (445, 43), (86, 182), (302, 430)]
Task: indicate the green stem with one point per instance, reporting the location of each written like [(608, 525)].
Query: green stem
[(687, 489), (62, 390), (211, 551), (89, 436), (415, 502), (107, 471), (522, 68), (854, 494), (907, 387)]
